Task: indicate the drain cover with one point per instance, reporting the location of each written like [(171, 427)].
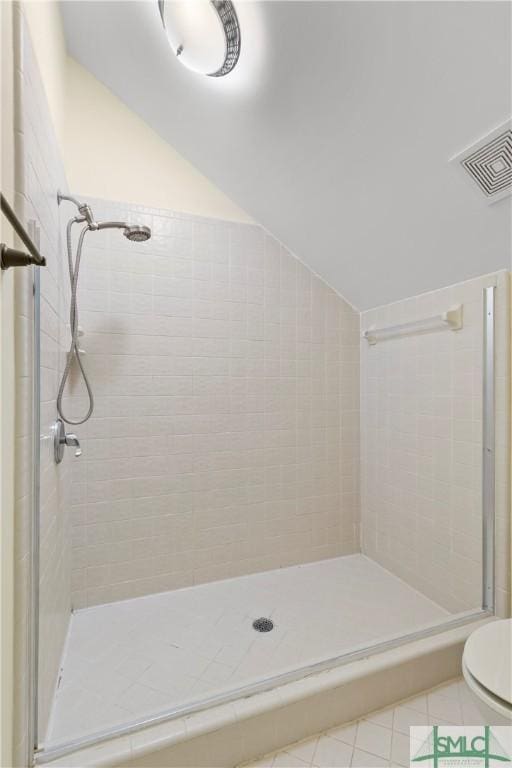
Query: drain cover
[(263, 625)]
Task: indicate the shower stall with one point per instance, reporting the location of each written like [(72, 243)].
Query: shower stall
[(263, 491), (271, 483)]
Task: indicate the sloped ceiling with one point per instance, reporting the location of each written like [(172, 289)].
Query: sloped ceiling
[(335, 129)]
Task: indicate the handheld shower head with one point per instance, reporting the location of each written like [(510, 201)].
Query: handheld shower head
[(137, 233)]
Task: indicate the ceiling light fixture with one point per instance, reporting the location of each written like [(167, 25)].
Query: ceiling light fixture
[(204, 34)]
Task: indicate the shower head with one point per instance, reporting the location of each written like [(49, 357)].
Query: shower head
[(137, 233)]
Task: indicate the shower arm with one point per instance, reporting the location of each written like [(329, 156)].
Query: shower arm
[(61, 197), (87, 215), (112, 225), (83, 208)]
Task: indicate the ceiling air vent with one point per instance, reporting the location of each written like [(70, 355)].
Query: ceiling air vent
[(489, 163)]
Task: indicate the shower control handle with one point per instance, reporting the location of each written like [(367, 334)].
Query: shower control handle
[(61, 439), (72, 439)]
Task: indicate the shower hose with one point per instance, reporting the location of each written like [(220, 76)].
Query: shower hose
[(74, 352)]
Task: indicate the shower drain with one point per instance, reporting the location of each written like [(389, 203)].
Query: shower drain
[(263, 625)]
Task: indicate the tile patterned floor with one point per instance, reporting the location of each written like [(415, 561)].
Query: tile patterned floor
[(130, 659), (382, 738)]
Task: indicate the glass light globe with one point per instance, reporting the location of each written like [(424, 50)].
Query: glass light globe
[(204, 34)]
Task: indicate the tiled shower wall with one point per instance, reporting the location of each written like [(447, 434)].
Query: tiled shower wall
[(421, 433), (225, 436), (40, 175)]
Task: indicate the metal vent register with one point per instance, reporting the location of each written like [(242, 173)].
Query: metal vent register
[(489, 163)]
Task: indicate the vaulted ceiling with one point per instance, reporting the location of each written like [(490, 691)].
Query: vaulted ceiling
[(335, 130)]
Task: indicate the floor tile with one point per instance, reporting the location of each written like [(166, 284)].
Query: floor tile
[(448, 691), (447, 708), (391, 742), (419, 703), (405, 717), (374, 739), (382, 717), (286, 760), (345, 733), (304, 750), (435, 720), (400, 749), (471, 715), (332, 753), (140, 696), (361, 759)]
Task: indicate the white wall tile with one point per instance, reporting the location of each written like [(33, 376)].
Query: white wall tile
[(226, 389), (421, 432)]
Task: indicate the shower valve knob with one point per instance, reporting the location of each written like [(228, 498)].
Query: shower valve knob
[(72, 440), (61, 439)]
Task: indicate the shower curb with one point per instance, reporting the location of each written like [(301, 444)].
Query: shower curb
[(243, 730)]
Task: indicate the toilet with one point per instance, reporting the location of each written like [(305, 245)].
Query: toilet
[(487, 670)]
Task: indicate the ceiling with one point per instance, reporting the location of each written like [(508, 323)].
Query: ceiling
[(336, 128)]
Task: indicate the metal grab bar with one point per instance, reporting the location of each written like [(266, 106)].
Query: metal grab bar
[(12, 257)]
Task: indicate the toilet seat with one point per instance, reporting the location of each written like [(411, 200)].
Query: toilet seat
[(487, 659), (487, 701)]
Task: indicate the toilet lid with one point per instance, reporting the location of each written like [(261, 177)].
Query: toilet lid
[(487, 655)]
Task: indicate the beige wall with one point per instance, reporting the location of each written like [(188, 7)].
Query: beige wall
[(47, 34), (108, 150)]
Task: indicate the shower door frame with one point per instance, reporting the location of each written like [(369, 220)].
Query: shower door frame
[(42, 755), (35, 517), (488, 451)]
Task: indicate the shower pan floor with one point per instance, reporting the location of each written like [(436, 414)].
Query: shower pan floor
[(128, 660)]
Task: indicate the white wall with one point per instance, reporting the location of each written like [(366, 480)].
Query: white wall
[(108, 151)]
